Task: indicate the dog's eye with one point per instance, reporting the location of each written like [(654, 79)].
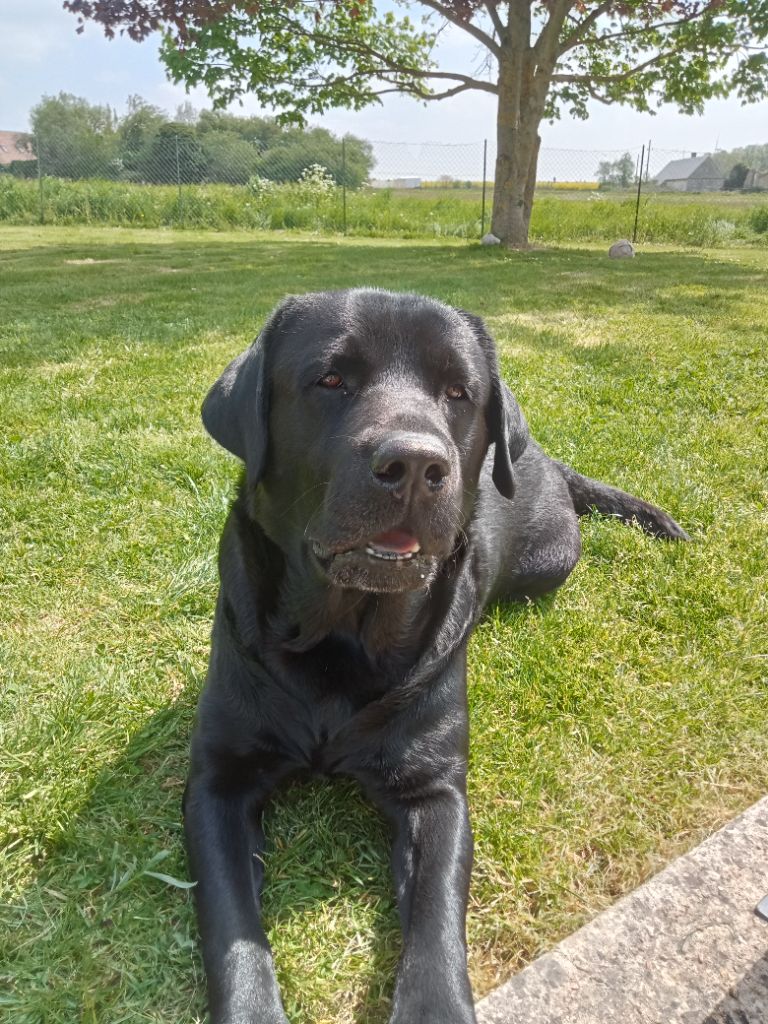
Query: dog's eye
[(455, 392), (331, 380)]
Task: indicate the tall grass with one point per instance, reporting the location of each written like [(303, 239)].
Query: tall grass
[(374, 213)]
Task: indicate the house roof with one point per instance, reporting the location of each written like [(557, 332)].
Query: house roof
[(11, 147), (680, 170)]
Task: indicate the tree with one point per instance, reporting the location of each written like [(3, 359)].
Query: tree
[(176, 155), (754, 157), (736, 177), (542, 56), (229, 158), (74, 138), (186, 113), (263, 132), (137, 134), (616, 173), (296, 150)]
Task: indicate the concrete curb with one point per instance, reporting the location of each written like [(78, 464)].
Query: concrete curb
[(685, 948)]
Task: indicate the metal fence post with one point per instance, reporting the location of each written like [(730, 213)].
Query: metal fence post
[(482, 207), (40, 188), (178, 178), (639, 189), (343, 185)]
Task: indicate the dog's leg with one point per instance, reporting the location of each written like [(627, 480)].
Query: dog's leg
[(432, 861), (225, 843)]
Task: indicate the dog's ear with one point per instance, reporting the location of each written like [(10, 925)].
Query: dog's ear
[(236, 409), (507, 428), (509, 433)]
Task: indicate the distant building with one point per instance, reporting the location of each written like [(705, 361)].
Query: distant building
[(396, 183), (694, 174), (13, 146)]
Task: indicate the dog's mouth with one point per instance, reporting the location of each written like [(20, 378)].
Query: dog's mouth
[(390, 546), (393, 546), (397, 545), (389, 561)]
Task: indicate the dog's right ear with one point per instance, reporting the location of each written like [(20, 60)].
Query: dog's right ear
[(507, 428), (236, 409)]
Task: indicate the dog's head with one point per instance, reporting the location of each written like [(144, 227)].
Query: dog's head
[(363, 418)]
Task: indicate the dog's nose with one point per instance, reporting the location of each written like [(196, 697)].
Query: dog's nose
[(415, 462)]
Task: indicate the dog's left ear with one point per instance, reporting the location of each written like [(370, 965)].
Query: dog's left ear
[(236, 409), (507, 428)]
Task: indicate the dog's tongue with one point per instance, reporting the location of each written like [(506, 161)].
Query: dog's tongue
[(401, 542)]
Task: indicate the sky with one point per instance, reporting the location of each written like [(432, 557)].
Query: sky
[(41, 54)]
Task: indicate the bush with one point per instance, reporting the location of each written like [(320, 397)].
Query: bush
[(22, 168), (736, 177), (758, 220)]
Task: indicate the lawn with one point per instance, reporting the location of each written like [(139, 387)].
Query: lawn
[(614, 724)]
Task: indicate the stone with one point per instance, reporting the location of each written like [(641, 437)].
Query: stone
[(685, 948), (490, 239), (621, 250)]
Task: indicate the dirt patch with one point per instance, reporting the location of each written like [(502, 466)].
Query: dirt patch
[(88, 261), (104, 302)]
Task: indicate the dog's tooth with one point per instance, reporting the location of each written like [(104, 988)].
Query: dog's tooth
[(388, 556)]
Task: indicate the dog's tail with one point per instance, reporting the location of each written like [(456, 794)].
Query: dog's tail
[(590, 495)]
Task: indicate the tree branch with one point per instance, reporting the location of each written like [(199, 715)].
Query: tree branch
[(421, 95), (387, 69), (467, 26), (620, 77), (389, 65), (579, 31), (545, 49), (630, 32), (498, 24)]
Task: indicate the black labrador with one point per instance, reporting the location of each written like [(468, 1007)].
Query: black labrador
[(391, 490)]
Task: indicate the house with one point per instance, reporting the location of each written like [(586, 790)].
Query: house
[(694, 174), (14, 146)]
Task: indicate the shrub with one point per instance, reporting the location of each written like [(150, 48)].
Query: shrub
[(758, 220)]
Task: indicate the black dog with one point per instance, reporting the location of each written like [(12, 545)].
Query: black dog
[(391, 490)]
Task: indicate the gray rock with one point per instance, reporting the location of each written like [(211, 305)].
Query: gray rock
[(685, 948), (621, 250), (490, 239)]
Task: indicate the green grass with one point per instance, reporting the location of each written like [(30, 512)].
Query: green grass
[(613, 725), (705, 220)]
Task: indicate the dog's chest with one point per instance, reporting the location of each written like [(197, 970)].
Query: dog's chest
[(339, 665), (326, 690)]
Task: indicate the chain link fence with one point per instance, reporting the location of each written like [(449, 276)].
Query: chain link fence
[(462, 164), (188, 178)]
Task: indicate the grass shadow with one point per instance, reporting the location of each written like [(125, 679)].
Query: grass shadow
[(76, 939), (544, 280)]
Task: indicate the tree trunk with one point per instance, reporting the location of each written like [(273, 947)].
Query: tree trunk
[(525, 75), (517, 152)]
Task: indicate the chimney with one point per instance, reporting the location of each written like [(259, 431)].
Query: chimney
[(693, 154)]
